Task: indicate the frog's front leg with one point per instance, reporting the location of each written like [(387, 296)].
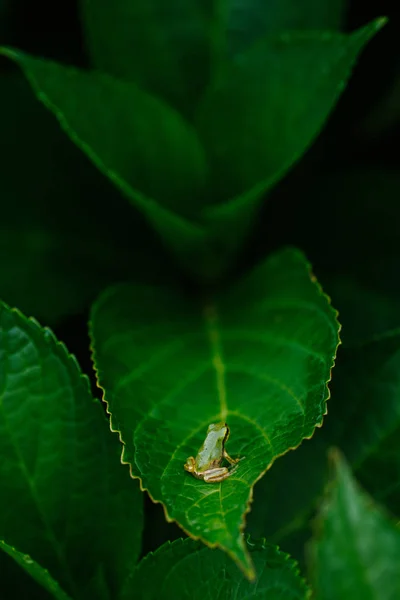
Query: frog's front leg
[(218, 474)]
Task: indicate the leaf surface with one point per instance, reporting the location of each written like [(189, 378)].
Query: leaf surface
[(42, 576), (163, 47), (66, 501), (185, 569), (141, 144), (257, 356), (262, 113), (356, 550)]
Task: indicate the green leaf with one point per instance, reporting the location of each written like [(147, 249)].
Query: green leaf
[(65, 499), (356, 551), (263, 112), (163, 48), (40, 575), (249, 20), (185, 570), (145, 147), (367, 389), (257, 356), (53, 263)]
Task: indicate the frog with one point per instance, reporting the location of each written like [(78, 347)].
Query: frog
[(207, 464)]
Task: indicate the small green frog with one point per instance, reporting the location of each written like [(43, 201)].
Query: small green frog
[(207, 464)]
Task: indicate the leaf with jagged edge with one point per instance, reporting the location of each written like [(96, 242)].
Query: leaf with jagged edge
[(185, 569), (355, 552), (38, 573), (65, 498), (257, 356)]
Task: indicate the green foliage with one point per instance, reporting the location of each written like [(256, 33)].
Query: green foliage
[(356, 553), (133, 181), (59, 466), (212, 575), (256, 356), (257, 115)]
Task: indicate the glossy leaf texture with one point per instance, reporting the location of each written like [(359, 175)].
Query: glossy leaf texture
[(144, 146), (65, 499), (356, 549), (261, 113), (248, 20), (186, 570), (258, 356), (42, 576), (162, 47)]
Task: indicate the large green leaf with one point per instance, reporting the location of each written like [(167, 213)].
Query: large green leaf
[(163, 47), (356, 552), (257, 356), (145, 147), (248, 20), (65, 499), (40, 575), (260, 115), (185, 570)]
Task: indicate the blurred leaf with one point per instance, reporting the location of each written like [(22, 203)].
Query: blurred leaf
[(66, 501), (249, 20), (60, 244), (144, 147), (257, 357), (161, 46), (263, 112), (187, 570), (36, 571), (356, 549)]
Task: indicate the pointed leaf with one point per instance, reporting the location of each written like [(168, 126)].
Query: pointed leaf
[(356, 551), (186, 570), (257, 356), (261, 114), (65, 499), (163, 47), (39, 574), (145, 147)]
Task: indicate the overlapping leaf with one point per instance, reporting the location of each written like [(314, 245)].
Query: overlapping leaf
[(356, 553), (185, 570), (257, 356), (65, 499)]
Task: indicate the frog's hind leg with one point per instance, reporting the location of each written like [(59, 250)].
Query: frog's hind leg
[(217, 474), (232, 461)]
